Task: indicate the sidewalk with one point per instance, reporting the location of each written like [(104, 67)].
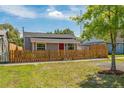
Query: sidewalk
[(36, 63)]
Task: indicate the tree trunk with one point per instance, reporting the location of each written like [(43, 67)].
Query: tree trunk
[(113, 63)]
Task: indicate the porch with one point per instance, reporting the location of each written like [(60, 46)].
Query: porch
[(53, 46)]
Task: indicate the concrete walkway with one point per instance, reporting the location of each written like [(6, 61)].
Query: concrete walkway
[(36, 63), (103, 65)]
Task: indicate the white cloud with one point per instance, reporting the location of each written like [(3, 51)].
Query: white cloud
[(64, 15), (56, 14), (53, 13), (19, 11)]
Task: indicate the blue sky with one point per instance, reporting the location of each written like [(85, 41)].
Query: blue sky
[(41, 18)]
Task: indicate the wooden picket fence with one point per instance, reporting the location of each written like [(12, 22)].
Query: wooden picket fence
[(94, 51), (14, 47)]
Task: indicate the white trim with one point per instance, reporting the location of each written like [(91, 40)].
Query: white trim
[(35, 45), (42, 43), (24, 43), (45, 46), (58, 46), (32, 46), (64, 46), (74, 46)]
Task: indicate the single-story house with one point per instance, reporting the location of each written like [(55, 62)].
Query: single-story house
[(45, 41)]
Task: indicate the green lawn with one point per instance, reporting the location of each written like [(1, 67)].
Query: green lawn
[(119, 58), (80, 74), (121, 55)]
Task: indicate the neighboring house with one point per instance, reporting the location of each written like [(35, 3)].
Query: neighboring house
[(86, 43), (44, 41), (92, 41), (119, 46), (3, 47)]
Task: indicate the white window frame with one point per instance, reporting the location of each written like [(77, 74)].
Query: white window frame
[(40, 43), (72, 44)]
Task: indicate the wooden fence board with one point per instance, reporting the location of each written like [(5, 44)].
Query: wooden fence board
[(94, 51)]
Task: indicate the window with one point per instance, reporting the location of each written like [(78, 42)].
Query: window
[(40, 46), (70, 46)]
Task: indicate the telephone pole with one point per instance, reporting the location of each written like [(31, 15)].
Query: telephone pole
[(81, 22), (23, 29)]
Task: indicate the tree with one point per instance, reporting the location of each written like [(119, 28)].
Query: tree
[(103, 22), (60, 31), (68, 31), (64, 31), (12, 33), (49, 33)]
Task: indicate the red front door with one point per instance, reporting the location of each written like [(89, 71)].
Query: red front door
[(61, 46)]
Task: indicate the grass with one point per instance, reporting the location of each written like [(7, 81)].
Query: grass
[(121, 55), (80, 74), (46, 75)]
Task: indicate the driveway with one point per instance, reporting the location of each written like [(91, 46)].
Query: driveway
[(107, 65)]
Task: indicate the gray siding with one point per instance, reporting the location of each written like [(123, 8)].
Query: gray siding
[(27, 43), (52, 46)]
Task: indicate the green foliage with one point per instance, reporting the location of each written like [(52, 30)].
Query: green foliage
[(60, 31), (68, 31), (12, 34), (49, 32), (101, 21)]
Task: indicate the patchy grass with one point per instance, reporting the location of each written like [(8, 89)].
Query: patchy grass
[(46, 75), (80, 74), (103, 81)]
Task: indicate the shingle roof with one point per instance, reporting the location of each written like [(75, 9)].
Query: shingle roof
[(45, 35), (92, 41), (53, 40)]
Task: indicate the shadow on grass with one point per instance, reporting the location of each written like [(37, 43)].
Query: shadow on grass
[(4, 62), (103, 81)]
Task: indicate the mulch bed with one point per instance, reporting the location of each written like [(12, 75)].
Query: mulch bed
[(110, 72)]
